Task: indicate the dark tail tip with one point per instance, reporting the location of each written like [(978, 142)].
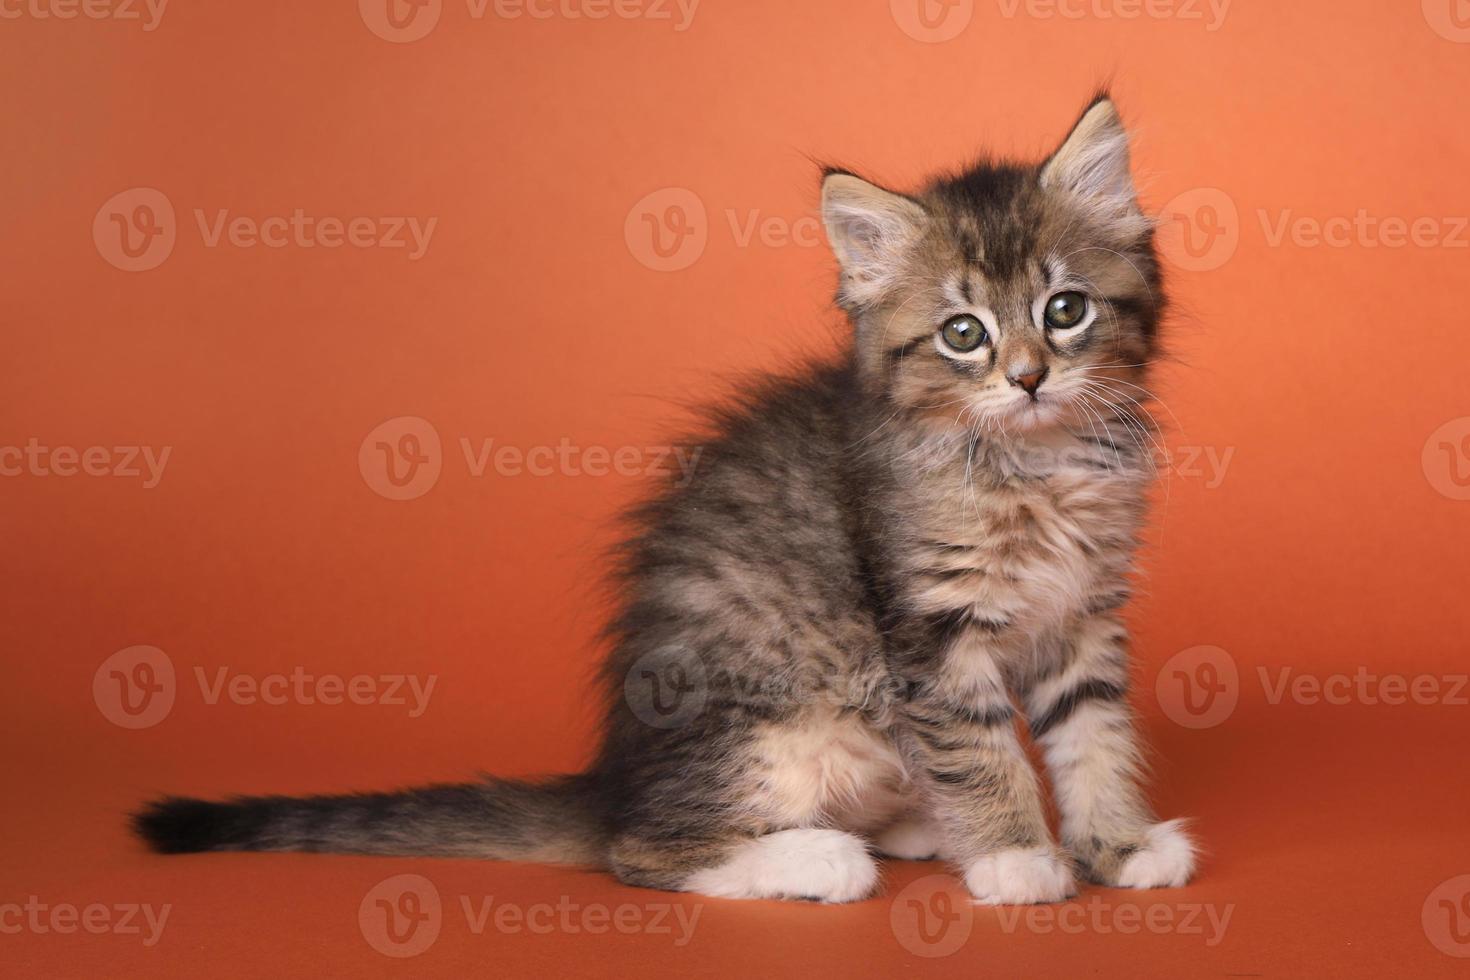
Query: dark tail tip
[(175, 825)]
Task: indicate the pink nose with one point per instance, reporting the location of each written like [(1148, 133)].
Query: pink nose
[(1030, 381)]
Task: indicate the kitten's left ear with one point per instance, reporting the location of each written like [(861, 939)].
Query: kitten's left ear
[(1092, 161)]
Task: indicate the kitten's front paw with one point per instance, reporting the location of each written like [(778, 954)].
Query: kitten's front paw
[(1165, 859), (1020, 876)]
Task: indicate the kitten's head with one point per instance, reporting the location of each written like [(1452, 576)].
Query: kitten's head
[(1012, 298)]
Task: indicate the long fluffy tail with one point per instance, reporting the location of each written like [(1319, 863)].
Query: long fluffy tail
[(552, 821)]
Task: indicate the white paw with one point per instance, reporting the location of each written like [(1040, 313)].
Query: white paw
[(910, 840), (1166, 859), (1020, 876), (825, 865)]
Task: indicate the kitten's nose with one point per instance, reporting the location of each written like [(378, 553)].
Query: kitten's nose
[(1028, 378)]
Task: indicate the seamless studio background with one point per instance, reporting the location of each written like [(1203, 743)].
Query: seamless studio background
[(335, 335)]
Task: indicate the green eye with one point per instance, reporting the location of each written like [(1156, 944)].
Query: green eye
[(964, 333), (1065, 310)]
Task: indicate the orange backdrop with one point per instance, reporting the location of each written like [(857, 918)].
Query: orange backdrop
[(248, 246)]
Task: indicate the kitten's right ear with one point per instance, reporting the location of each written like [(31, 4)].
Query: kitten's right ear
[(869, 230)]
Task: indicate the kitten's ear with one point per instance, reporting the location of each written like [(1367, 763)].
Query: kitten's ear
[(1092, 161), (869, 229)]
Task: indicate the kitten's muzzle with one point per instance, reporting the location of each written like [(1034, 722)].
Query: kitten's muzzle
[(1028, 379)]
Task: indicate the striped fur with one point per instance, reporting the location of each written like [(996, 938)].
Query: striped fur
[(882, 565)]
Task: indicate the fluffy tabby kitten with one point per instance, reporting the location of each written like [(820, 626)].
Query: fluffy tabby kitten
[(826, 637)]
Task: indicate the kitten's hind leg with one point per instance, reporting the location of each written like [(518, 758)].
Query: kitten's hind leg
[(804, 863)]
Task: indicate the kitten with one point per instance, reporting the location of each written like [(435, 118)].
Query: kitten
[(825, 637)]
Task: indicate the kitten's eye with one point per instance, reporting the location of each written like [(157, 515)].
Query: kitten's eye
[(1065, 310), (964, 333)]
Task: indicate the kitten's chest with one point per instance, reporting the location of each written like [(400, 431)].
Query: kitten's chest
[(1023, 547)]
